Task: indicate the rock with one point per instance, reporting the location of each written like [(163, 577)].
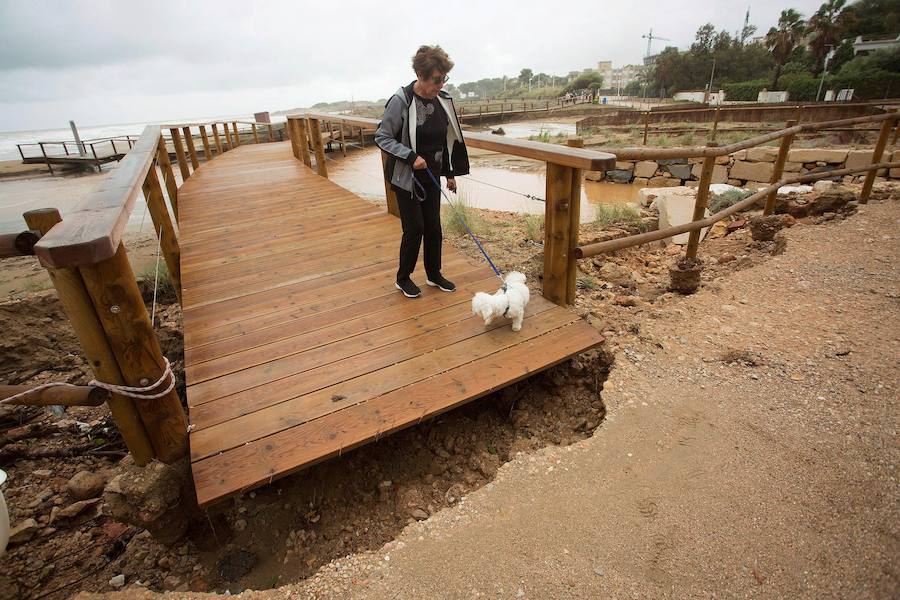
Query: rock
[(752, 171), (735, 225), (792, 167), (677, 208), (812, 155), (672, 161), (645, 168), (664, 182), (625, 301), (764, 228), (594, 175), (616, 274), (236, 564), (240, 525), (42, 473), (618, 176), (157, 497), (117, 582), (679, 171), (624, 166), (171, 582), (726, 258), (418, 514), (642, 181), (23, 532), (85, 485), (787, 190), (762, 154), (780, 244), (719, 173), (76, 508), (858, 158), (498, 131), (723, 160)]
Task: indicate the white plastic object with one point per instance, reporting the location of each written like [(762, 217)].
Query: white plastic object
[(4, 517)]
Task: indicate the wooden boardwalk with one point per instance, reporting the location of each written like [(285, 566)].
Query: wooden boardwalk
[(297, 345)]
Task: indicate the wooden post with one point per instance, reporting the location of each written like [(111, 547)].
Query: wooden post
[(168, 243), (390, 195), (303, 141), (343, 141), (162, 157), (700, 204), (207, 151), (192, 152), (118, 303), (80, 309), (646, 126), (574, 226), (271, 132), (715, 126), (179, 154), (315, 135), (362, 138), (557, 224), (255, 135), (896, 132), (215, 130), (237, 137), (883, 135), (778, 171), (295, 137)]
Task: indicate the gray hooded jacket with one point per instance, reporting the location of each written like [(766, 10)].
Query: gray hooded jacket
[(396, 135)]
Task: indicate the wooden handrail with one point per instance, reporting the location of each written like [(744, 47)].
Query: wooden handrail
[(577, 158), (92, 232), (760, 194)]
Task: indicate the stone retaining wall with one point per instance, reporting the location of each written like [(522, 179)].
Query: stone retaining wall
[(752, 168)]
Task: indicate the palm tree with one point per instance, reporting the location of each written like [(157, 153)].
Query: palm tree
[(826, 27), (782, 41)]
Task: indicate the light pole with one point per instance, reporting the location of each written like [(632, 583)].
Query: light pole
[(828, 58)]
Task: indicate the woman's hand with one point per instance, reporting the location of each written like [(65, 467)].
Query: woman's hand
[(451, 184), (419, 163)]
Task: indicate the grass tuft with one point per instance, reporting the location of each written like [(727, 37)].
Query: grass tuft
[(453, 217), (534, 226), (608, 214)]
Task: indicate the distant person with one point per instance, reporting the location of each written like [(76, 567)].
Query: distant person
[(420, 133)]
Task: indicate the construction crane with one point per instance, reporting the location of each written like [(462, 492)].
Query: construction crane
[(650, 37)]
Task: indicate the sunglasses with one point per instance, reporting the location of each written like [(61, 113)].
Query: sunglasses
[(440, 79)]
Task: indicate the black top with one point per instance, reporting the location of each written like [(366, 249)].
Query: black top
[(431, 134)]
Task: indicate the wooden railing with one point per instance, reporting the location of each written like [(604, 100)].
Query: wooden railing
[(70, 147), (887, 121), (563, 191), (87, 263)]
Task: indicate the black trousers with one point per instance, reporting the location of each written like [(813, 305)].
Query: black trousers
[(421, 219)]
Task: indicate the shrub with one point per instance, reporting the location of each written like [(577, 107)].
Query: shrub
[(726, 199), (534, 225), (608, 214)]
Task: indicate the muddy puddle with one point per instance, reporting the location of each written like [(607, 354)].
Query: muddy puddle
[(490, 188)]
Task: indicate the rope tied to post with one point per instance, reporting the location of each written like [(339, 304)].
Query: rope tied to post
[(137, 392)]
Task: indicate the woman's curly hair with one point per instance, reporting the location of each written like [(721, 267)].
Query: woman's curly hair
[(429, 58)]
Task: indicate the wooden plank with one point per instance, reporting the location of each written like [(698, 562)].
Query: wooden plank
[(165, 167), (207, 151), (298, 447), (218, 142), (557, 222)]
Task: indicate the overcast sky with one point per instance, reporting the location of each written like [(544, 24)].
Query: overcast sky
[(103, 62)]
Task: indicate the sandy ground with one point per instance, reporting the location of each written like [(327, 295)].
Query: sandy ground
[(749, 450)]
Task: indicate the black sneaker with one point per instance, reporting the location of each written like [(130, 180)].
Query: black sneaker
[(409, 289), (441, 283)]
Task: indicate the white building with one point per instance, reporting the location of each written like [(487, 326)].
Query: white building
[(618, 78), (861, 46)]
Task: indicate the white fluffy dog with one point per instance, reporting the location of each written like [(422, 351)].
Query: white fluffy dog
[(509, 301)]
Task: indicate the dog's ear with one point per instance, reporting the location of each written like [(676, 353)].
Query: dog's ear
[(515, 277)]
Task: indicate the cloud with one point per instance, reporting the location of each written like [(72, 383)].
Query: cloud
[(102, 61)]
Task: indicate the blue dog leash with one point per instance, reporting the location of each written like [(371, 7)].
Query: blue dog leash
[(421, 189)]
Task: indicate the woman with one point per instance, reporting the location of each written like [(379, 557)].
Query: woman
[(421, 135)]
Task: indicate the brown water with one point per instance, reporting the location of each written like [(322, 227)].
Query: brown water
[(485, 187)]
